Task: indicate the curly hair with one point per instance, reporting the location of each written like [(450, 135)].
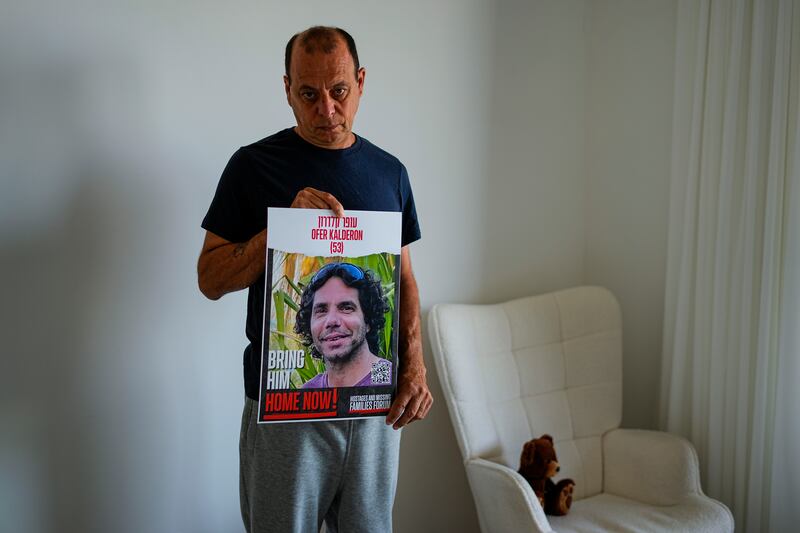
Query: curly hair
[(370, 297)]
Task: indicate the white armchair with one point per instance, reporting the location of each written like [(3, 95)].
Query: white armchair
[(553, 364)]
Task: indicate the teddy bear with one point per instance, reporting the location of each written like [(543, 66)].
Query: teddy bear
[(537, 464)]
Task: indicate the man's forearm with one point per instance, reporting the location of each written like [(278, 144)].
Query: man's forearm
[(225, 266), (410, 334), (413, 400)]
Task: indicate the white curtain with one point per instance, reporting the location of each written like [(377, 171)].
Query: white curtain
[(731, 366)]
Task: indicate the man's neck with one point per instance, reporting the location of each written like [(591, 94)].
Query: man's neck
[(354, 371), (350, 141)]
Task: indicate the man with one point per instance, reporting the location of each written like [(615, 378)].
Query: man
[(341, 316), (294, 476)]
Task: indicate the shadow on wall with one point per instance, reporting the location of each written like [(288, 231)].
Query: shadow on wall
[(75, 267), (66, 402)]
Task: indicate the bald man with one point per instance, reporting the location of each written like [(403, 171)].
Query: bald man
[(294, 476)]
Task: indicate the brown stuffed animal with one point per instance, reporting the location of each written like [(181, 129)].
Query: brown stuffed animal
[(537, 464)]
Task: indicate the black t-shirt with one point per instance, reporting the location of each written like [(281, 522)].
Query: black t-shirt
[(270, 173)]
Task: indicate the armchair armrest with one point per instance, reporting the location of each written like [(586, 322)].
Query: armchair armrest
[(649, 466), (506, 502)]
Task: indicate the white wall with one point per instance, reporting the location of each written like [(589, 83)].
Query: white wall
[(629, 85), (121, 386), (533, 193), (579, 164)]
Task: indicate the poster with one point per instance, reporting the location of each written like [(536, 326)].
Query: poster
[(330, 315)]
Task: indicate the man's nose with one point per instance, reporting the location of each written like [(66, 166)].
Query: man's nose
[(332, 320), (325, 105)]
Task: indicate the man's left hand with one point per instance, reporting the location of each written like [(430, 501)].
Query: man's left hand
[(413, 400)]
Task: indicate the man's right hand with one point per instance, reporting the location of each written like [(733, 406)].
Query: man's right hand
[(226, 266)]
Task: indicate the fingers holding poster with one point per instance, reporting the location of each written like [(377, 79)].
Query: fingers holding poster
[(331, 319)]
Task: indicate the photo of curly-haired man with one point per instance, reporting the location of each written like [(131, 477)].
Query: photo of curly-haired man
[(340, 319)]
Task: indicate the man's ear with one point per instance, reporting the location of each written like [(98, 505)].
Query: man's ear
[(360, 75), (287, 87)]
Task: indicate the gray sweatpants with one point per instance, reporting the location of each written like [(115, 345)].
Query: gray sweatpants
[(293, 476)]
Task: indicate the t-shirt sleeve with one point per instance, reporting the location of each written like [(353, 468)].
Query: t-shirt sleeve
[(411, 231), (230, 215)]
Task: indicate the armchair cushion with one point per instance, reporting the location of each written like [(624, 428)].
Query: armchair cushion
[(649, 466), (605, 512)]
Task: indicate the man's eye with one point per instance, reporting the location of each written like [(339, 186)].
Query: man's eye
[(338, 93), (307, 95)]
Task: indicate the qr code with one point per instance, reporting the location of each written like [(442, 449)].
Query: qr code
[(381, 373)]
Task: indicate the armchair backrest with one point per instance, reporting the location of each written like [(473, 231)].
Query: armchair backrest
[(541, 364)]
